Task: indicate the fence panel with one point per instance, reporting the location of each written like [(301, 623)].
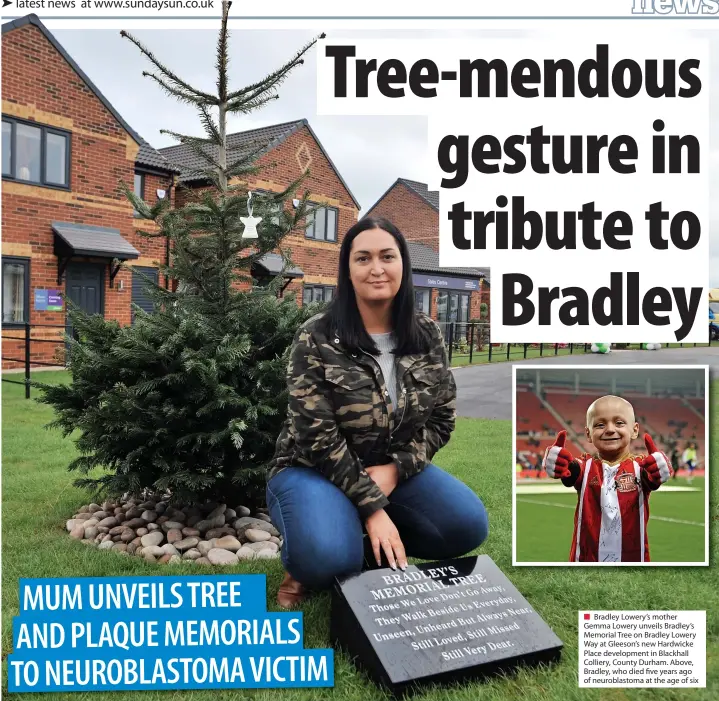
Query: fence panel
[(27, 361)]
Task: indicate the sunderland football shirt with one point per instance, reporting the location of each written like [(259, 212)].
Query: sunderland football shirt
[(610, 522)]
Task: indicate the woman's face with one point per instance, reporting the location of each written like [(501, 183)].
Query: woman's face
[(375, 266)]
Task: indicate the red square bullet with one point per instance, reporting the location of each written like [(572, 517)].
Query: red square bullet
[(586, 616)]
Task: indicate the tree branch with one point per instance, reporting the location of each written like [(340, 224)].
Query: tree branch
[(167, 72), (275, 78)]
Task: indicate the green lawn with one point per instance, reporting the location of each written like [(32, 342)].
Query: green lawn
[(676, 525), (38, 496)]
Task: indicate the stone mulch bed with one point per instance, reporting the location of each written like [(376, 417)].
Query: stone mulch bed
[(212, 534)]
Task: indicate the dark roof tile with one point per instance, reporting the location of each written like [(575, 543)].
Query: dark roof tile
[(429, 196), (426, 259), (89, 240), (273, 263), (151, 158)]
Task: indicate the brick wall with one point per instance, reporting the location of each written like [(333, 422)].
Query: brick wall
[(40, 86), (414, 217), (477, 299)]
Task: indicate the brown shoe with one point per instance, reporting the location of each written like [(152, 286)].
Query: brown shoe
[(291, 593)]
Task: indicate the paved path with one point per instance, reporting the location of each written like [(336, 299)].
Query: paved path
[(485, 391)]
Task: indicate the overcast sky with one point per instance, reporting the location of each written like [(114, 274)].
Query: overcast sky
[(370, 152)]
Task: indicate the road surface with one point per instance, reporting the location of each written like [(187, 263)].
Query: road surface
[(485, 391)]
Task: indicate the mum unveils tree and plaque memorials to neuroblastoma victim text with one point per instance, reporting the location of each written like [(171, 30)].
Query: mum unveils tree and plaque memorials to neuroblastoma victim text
[(570, 160), (437, 622), (158, 633)]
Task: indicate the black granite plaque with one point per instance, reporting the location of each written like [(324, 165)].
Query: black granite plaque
[(437, 622)]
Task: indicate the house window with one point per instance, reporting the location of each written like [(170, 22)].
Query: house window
[(322, 223), (6, 148), (56, 159), (421, 300), (15, 290), (453, 306), (317, 293), (27, 147), (141, 286), (139, 190), (34, 153)]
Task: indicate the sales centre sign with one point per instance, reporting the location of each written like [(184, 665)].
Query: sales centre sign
[(448, 283)]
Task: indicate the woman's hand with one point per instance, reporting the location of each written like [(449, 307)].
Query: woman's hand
[(383, 535), (385, 477)]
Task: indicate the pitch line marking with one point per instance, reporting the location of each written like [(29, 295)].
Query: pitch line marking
[(653, 518)]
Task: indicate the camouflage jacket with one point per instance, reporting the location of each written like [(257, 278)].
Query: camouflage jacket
[(338, 420)]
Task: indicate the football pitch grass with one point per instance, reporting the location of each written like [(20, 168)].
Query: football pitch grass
[(676, 524), (38, 497)]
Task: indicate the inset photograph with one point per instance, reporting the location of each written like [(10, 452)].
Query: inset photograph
[(611, 465)]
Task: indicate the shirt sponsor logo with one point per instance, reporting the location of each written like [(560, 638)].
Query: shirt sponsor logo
[(626, 483)]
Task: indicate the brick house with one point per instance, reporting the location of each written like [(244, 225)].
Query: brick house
[(447, 294), (67, 224), (288, 151)]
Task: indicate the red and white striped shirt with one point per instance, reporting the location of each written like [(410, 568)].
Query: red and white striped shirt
[(610, 522)]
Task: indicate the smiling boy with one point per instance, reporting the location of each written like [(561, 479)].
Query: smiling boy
[(610, 522)]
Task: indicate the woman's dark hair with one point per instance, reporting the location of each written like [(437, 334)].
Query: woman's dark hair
[(343, 318)]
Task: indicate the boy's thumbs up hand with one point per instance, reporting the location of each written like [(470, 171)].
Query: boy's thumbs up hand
[(650, 445), (557, 458), (655, 466)]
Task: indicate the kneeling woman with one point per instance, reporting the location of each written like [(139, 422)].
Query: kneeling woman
[(371, 400)]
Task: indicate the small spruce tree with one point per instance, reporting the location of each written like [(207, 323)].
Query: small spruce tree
[(191, 398)]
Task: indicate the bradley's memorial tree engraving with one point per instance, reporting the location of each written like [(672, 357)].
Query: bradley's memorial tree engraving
[(438, 622)]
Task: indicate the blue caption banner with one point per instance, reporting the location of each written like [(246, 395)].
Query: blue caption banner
[(158, 633)]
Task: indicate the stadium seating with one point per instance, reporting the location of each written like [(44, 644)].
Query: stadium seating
[(572, 408), (698, 404), (523, 445), (665, 418), (669, 417), (532, 416)]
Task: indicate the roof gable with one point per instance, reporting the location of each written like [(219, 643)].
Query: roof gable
[(430, 197), (35, 22), (147, 155)]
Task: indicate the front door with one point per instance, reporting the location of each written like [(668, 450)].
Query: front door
[(84, 284)]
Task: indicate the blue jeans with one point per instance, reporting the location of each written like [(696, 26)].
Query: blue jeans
[(437, 517)]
